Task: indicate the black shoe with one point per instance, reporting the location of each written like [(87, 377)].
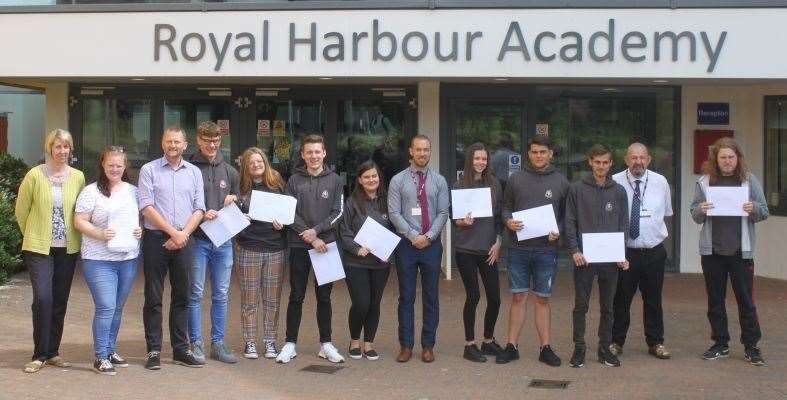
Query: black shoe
[(578, 358), (510, 353), (355, 353), (548, 357), (753, 356), (371, 355), (187, 359), (491, 348), (717, 351), (104, 367), (607, 358), (153, 361), (473, 354), (117, 360)]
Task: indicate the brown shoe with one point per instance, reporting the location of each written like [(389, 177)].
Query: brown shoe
[(404, 354), (659, 351), (427, 355)]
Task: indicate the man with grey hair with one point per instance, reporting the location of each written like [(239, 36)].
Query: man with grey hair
[(649, 202)]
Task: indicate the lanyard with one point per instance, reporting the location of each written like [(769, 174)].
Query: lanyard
[(644, 189), (420, 188)]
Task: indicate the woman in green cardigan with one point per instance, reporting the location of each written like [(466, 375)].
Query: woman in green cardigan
[(45, 213)]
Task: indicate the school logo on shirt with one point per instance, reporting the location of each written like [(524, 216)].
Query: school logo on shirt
[(608, 207), (222, 184), (324, 194), (548, 194), (385, 216)]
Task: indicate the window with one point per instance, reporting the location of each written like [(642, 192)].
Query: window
[(776, 153)]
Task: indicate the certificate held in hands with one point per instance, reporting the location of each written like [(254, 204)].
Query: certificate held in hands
[(123, 219), (380, 241), (478, 202), (607, 247), (327, 266), (537, 222), (266, 207), (727, 200), (229, 222)]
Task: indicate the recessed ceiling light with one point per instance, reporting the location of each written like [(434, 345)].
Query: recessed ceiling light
[(325, 78), (660, 81), (137, 79), (609, 89), (501, 79)]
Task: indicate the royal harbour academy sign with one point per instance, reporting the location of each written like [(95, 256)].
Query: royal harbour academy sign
[(380, 43)]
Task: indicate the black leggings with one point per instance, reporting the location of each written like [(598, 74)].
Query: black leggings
[(468, 265), (366, 291)]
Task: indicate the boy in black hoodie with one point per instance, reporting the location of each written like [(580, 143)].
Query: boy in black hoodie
[(319, 209), (595, 204)]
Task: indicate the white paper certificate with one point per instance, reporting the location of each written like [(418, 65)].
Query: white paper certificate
[(727, 200), (380, 241), (604, 247), (537, 221), (123, 219), (327, 266), (478, 202), (266, 207), (229, 222)]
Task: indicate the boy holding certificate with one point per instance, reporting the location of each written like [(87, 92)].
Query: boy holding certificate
[(595, 204)]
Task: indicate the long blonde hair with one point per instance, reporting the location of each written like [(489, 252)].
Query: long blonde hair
[(270, 177)]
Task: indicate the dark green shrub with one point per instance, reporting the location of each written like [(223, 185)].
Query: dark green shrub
[(12, 171)]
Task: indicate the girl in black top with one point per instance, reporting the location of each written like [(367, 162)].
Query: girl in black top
[(366, 274), (477, 245), (260, 256)]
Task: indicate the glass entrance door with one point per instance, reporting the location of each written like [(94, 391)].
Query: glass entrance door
[(110, 121), (370, 129), (280, 126)]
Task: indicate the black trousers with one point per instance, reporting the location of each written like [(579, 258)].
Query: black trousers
[(50, 276), (159, 261), (583, 284), (366, 287), (646, 273), (470, 266), (740, 271), (300, 267)]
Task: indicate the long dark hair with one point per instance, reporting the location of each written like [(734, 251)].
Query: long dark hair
[(360, 195), (711, 166), (487, 176), (102, 182)]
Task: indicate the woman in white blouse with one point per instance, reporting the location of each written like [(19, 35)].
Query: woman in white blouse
[(107, 215)]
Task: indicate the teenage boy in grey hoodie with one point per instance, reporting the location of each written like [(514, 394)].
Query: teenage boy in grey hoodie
[(595, 204), (532, 263), (320, 203)]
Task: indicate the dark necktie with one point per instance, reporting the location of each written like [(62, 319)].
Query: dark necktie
[(635, 209), (423, 202)]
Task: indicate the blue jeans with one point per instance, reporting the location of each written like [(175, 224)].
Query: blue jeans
[(409, 261), (532, 270), (110, 283), (219, 261)]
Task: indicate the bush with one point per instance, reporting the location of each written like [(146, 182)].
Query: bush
[(12, 171)]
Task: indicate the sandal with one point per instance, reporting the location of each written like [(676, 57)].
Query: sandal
[(34, 366)]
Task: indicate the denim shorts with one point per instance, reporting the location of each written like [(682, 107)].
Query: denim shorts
[(532, 269)]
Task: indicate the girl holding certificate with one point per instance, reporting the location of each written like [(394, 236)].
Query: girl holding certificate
[(727, 248), (477, 245), (44, 209), (109, 271), (259, 256), (366, 274)]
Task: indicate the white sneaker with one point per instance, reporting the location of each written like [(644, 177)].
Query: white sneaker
[(270, 350), (328, 352), (287, 353)]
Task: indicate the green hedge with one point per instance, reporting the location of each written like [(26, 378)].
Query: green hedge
[(12, 170)]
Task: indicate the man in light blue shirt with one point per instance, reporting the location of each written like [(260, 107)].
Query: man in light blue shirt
[(418, 208)]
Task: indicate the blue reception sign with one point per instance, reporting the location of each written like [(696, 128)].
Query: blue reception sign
[(713, 113)]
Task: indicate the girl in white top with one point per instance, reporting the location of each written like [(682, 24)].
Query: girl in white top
[(107, 214)]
